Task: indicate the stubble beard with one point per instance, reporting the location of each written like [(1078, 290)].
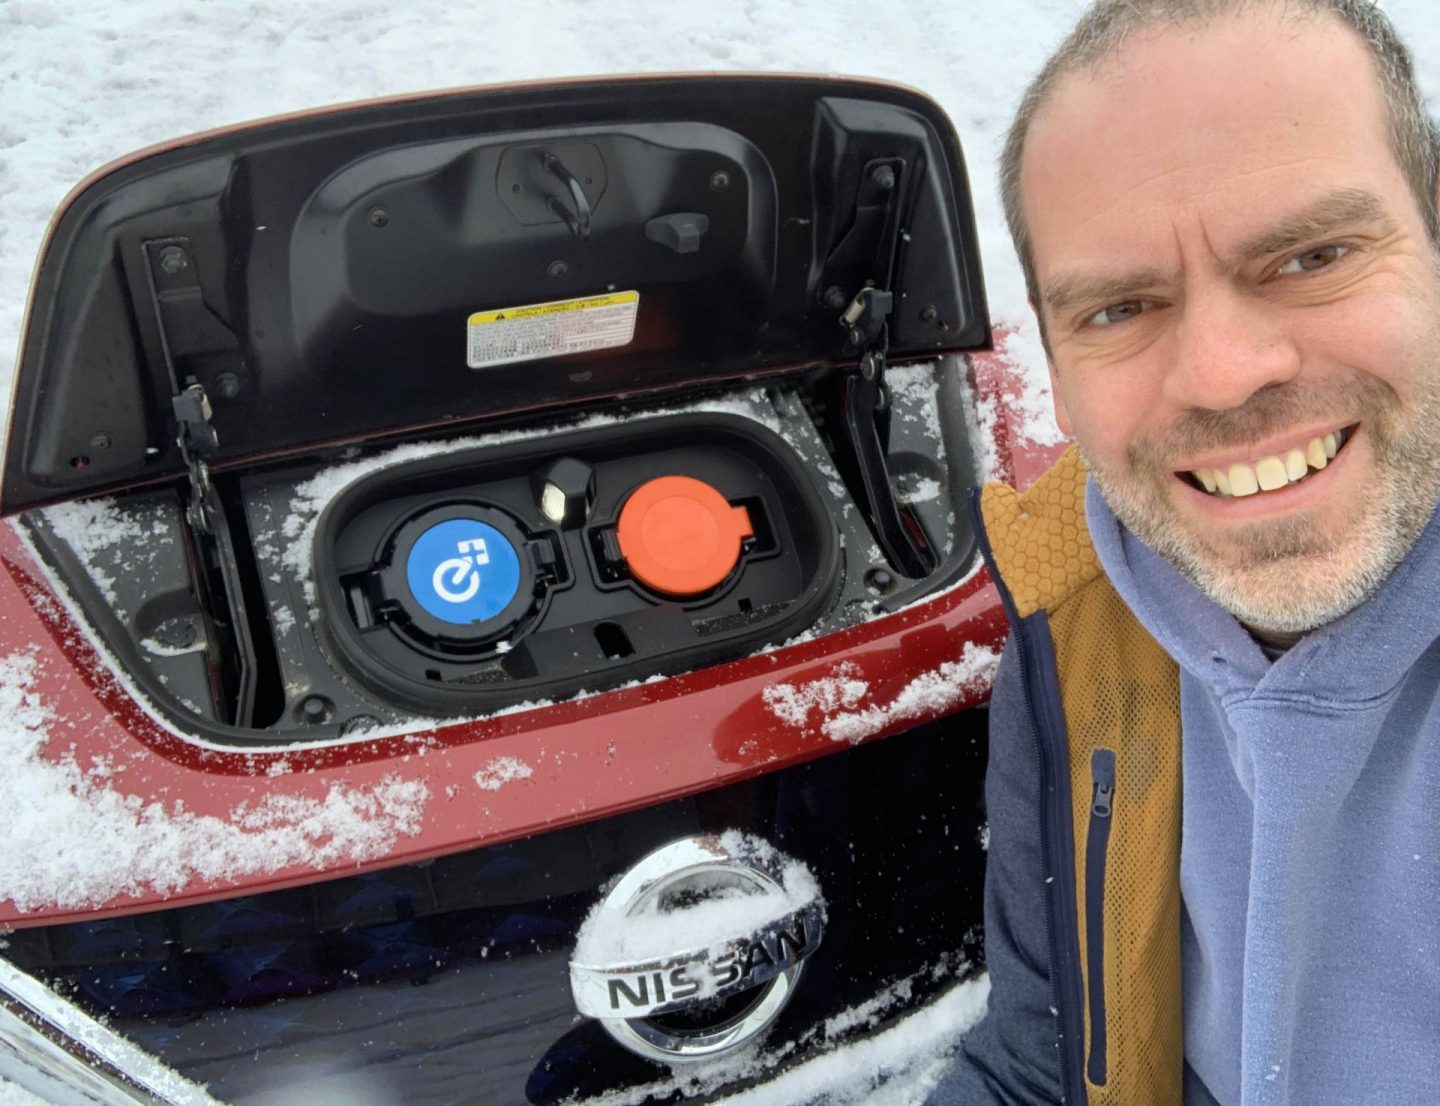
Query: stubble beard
[(1291, 575)]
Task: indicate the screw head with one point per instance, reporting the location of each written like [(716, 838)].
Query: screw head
[(835, 297), (719, 180), (173, 259), (177, 633), (379, 217), (101, 441), (929, 313), (227, 385), (315, 709), (883, 177), (879, 581), (557, 269)]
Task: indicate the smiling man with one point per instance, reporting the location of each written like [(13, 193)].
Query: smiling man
[(1215, 766)]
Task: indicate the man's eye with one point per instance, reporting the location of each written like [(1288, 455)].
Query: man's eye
[(1114, 313), (1321, 257)]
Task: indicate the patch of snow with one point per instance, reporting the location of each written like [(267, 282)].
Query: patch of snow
[(75, 840), (13, 1094), (794, 703), (927, 694), (899, 1066), (720, 912), (917, 394), (920, 489), (108, 535), (90, 527), (836, 699), (1032, 404), (982, 422), (751, 409), (283, 619), (500, 771), (158, 648)]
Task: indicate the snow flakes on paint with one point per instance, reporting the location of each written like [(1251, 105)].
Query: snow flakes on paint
[(74, 840), (837, 699), (793, 704), (929, 693), (500, 771)]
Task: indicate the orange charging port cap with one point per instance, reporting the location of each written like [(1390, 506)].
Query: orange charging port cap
[(679, 536)]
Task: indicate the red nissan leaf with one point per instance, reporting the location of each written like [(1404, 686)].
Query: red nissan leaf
[(490, 610)]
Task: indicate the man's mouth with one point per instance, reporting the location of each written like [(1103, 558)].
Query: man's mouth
[(1268, 474)]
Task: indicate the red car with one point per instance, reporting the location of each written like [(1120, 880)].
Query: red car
[(490, 608)]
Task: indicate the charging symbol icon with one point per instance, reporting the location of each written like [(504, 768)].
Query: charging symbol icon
[(461, 572)]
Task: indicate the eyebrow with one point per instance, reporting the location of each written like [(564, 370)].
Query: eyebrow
[(1334, 212), (1072, 288), (1337, 211)]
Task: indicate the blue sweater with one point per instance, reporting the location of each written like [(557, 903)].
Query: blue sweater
[(1310, 856)]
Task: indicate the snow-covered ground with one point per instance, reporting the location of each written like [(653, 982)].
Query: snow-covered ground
[(85, 81)]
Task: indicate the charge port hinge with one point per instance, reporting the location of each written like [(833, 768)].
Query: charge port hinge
[(186, 332), (189, 339), (866, 424), (197, 440)]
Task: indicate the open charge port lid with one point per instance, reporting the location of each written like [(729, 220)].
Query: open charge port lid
[(357, 271)]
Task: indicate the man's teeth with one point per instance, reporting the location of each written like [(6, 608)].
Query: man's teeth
[(1270, 473)]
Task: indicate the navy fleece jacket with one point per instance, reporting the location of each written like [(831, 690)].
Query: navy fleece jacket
[(1310, 857)]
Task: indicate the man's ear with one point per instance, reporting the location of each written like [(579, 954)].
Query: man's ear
[(1062, 416)]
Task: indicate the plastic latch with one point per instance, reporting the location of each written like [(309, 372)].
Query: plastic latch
[(680, 232)]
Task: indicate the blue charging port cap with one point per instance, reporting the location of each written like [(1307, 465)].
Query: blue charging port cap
[(461, 576), (463, 571)]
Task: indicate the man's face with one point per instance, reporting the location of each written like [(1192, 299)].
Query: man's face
[(1234, 275)]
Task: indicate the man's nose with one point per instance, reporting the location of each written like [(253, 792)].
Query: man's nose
[(1229, 345)]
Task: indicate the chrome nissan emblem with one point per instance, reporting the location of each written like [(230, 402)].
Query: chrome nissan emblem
[(698, 947)]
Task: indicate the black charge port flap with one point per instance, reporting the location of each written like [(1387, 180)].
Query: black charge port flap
[(329, 277)]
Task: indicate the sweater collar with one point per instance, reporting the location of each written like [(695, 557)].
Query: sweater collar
[(1362, 654)]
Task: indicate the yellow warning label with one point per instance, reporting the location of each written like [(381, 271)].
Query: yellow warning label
[(538, 330)]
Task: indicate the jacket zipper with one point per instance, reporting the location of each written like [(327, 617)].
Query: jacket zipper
[(1097, 842), (1054, 816)]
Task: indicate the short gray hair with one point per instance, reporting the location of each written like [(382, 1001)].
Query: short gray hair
[(1104, 27)]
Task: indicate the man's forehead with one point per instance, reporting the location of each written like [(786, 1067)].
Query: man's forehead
[(1190, 78), (1281, 32), (1190, 120)]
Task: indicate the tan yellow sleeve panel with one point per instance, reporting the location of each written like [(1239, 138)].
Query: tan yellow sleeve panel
[(1038, 537), (1121, 692)]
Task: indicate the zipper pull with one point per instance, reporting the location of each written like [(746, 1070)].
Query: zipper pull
[(1102, 776)]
